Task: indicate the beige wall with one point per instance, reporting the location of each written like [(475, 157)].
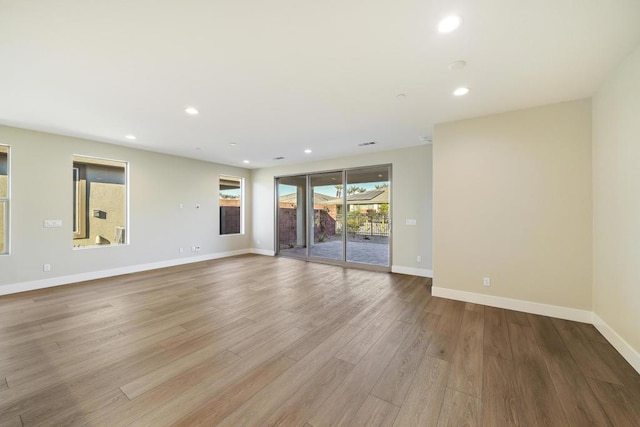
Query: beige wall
[(411, 199), (616, 184), (158, 227), (512, 201)]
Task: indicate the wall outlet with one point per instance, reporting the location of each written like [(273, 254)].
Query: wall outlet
[(197, 205), (418, 258), (181, 206), (181, 250), (410, 222), (193, 248), (46, 267), (486, 281)]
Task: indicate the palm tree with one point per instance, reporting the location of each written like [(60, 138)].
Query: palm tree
[(355, 189)]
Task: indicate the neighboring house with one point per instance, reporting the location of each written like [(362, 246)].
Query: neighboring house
[(372, 200), (290, 200), (99, 202)]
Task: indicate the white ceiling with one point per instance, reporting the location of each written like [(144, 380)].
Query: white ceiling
[(277, 77)]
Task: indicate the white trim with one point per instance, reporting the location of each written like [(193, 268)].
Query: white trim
[(82, 277), (412, 271), (623, 347), (262, 252), (567, 313)]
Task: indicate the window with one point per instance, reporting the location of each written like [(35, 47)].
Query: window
[(4, 199), (99, 202), (231, 213)]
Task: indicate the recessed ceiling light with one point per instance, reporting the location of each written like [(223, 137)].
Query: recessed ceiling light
[(457, 65), (461, 91), (245, 161), (233, 144), (131, 137), (364, 144), (197, 148), (401, 95), (307, 151), (450, 23), (191, 110), (278, 158)]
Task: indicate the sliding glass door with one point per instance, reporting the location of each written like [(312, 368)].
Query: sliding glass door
[(292, 215), (326, 239), (367, 214), (339, 216)]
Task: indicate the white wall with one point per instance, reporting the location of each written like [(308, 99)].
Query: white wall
[(512, 201), (616, 185), (41, 185), (411, 199)]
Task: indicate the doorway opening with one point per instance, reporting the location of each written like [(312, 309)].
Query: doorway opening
[(341, 217)]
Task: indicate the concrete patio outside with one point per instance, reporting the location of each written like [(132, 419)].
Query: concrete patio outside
[(360, 251)]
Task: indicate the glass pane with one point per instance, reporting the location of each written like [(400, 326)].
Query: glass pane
[(4, 194), (99, 202), (326, 193), (368, 216), (4, 172), (3, 233), (230, 205), (292, 214)]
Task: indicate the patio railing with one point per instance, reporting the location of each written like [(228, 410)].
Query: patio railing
[(364, 224)]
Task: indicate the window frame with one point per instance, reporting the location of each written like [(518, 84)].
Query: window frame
[(80, 204), (82, 198), (5, 203), (221, 177)]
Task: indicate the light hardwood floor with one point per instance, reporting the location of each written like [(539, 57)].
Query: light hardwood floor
[(262, 341)]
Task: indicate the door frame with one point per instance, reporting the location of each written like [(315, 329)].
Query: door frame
[(309, 221)]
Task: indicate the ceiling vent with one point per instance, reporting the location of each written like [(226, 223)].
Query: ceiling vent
[(364, 144)]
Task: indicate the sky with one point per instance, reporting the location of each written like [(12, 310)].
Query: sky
[(329, 190)]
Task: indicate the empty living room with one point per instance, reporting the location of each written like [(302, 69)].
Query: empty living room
[(293, 213)]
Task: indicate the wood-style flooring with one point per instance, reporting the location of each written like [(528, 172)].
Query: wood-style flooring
[(264, 341)]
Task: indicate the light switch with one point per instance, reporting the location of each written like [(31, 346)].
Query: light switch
[(411, 222)]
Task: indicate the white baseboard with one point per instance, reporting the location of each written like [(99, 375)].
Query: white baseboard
[(412, 271), (262, 252), (623, 347), (82, 277), (566, 313)]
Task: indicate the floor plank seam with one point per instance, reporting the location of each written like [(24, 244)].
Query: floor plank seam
[(371, 393)]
